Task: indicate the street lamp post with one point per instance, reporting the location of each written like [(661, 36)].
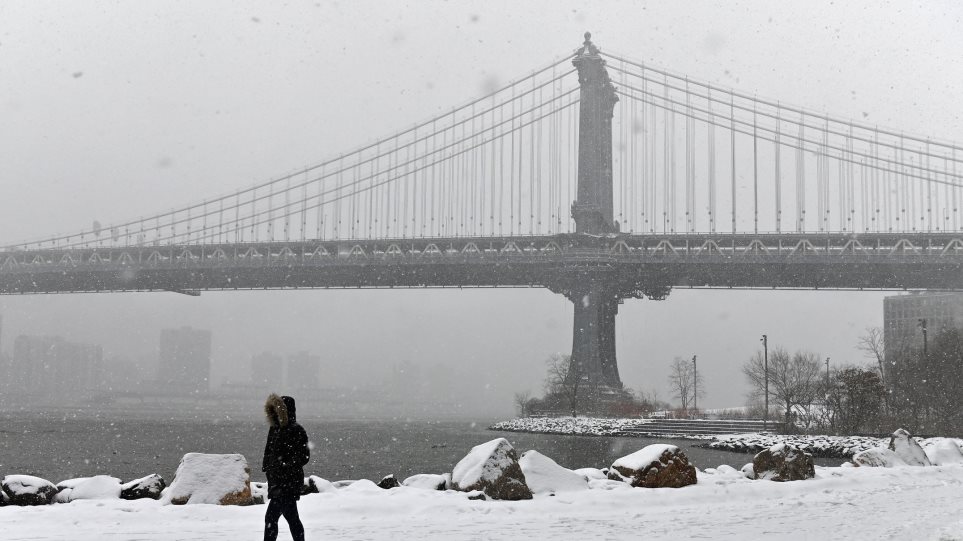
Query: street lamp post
[(765, 356), (827, 375), (695, 385)]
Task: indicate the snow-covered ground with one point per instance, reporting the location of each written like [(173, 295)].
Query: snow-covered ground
[(840, 503)]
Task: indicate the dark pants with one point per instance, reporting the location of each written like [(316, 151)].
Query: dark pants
[(287, 507)]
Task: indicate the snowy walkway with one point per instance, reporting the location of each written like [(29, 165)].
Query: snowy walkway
[(842, 503)]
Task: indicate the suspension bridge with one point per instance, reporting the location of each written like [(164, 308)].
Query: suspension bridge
[(598, 177)]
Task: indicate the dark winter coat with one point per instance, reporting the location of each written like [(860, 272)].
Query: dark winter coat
[(286, 451)]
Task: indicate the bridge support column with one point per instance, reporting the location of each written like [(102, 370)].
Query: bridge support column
[(593, 336)]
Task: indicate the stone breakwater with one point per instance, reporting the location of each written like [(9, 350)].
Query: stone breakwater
[(817, 446), (572, 426), (821, 446)]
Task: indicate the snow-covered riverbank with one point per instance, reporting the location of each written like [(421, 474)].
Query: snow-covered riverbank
[(840, 503)]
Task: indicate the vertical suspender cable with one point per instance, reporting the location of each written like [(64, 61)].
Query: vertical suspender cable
[(732, 149), (755, 173)]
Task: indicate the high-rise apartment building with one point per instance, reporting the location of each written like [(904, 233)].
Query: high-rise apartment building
[(50, 366), (304, 372), (904, 317), (185, 360)]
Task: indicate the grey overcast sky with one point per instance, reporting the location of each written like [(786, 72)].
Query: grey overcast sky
[(110, 110)]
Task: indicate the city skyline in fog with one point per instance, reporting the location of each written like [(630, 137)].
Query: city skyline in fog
[(119, 113)]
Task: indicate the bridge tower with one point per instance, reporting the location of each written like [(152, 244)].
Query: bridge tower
[(592, 288)]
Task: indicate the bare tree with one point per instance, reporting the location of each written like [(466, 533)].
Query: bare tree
[(873, 346), (565, 379), (521, 402), (794, 380), (682, 381)]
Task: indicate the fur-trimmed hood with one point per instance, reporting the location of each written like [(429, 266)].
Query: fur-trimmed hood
[(277, 411)]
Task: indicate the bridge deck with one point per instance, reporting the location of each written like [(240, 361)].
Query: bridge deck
[(644, 262)]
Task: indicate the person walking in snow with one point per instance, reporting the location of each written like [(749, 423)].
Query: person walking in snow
[(285, 455)]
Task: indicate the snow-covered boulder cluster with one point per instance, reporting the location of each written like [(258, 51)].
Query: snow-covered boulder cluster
[(816, 445), (904, 450), (783, 462), (655, 466), (210, 478), (30, 490)]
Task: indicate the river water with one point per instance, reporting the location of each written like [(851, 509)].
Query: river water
[(61, 445)]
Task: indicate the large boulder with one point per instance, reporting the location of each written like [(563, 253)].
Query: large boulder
[(212, 479), (544, 476), (783, 462), (27, 490), (877, 457), (98, 487), (428, 481), (145, 487), (655, 466), (903, 444), (943, 451), (492, 468)]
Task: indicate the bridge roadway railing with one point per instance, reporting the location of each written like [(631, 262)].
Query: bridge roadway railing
[(818, 260)]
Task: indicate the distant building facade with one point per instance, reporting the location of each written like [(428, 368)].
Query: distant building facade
[(903, 317), (304, 372), (267, 371), (185, 360), (50, 366)]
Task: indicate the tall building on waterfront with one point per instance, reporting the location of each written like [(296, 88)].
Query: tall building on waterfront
[(267, 371), (904, 316), (50, 366), (185, 360), (303, 372)]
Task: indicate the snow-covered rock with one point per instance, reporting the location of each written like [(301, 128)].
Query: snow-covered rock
[(878, 457), (320, 485), (145, 487), (259, 492), (591, 473), (388, 482), (362, 486), (655, 466), (493, 468), (210, 478), (783, 462), (28, 490), (428, 481), (98, 487), (903, 444), (749, 471), (544, 476), (943, 451)]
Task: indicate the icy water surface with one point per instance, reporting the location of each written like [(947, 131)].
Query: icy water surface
[(61, 446)]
